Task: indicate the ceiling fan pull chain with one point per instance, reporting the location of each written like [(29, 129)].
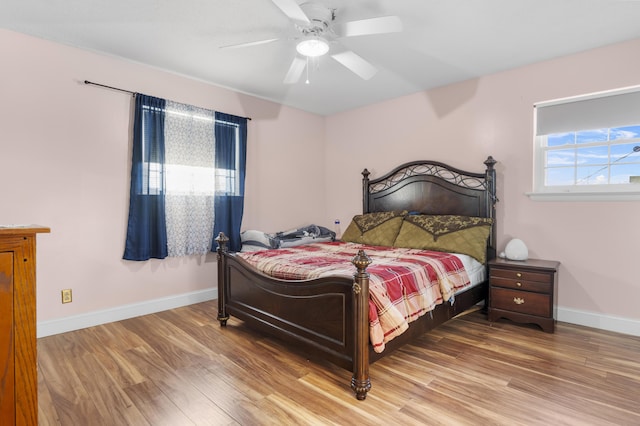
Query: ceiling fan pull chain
[(307, 82)]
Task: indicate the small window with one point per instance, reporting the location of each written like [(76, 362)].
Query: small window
[(588, 147), (190, 179)]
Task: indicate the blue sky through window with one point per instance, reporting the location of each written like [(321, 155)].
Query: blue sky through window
[(593, 157)]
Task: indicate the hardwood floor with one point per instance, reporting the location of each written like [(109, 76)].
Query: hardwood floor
[(180, 367)]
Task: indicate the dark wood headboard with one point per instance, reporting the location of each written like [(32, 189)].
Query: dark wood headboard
[(431, 187)]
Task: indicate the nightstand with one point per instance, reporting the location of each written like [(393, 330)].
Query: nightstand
[(523, 291)]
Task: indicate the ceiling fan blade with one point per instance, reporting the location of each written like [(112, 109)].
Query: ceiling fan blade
[(249, 44), (356, 64), (382, 25), (295, 70), (292, 9)]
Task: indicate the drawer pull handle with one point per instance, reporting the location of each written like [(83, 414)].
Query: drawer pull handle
[(518, 274), (518, 300), (519, 284)]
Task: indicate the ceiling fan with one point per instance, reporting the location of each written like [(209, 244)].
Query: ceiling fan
[(316, 27)]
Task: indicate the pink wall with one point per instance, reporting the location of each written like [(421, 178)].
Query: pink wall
[(65, 163), (460, 124)]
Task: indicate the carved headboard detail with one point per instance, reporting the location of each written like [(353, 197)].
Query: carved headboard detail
[(431, 187)]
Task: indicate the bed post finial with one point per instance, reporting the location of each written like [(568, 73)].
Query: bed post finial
[(360, 382), (222, 241), (490, 162)]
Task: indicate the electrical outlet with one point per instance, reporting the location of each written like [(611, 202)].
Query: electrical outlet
[(66, 296)]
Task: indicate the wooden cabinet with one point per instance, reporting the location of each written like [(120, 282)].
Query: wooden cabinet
[(523, 291), (18, 355)]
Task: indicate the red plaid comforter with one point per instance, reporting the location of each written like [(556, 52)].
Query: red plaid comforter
[(404, 283)]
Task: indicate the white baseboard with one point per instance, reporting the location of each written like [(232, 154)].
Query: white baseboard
[(603, 322), (90, 319)]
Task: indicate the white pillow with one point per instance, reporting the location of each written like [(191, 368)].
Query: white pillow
[(253, 240)]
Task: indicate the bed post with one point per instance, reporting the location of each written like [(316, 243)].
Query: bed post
[(492, 199), (365, 191), (222, 241), (360, 382)]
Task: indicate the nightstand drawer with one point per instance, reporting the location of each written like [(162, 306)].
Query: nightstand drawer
[(521, 284), (515, 274), (521, 301)]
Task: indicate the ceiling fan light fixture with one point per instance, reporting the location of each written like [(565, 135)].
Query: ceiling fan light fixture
[(313, 47)]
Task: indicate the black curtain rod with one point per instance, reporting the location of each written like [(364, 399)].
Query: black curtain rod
[(109, 87), (122, 90)]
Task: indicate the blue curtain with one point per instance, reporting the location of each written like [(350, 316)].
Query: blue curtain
[(146, 231), (229, 205)]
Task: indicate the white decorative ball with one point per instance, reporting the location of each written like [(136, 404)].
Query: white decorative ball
[(516, 250)]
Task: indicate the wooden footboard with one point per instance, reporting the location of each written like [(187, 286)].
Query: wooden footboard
[(329, 316)]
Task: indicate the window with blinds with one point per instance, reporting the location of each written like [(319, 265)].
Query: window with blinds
[(588, 146)]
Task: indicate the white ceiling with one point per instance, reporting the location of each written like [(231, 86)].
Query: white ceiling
[(442, 42)]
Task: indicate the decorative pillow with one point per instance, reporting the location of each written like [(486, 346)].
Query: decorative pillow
[(448, 233), (253, 240), (376, 229)]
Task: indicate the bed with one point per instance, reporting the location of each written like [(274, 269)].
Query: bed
[(329, 316)]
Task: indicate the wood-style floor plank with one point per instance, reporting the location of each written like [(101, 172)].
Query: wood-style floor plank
[(179, 367)]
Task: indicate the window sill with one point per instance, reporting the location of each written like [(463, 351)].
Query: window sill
[(584, 196)]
